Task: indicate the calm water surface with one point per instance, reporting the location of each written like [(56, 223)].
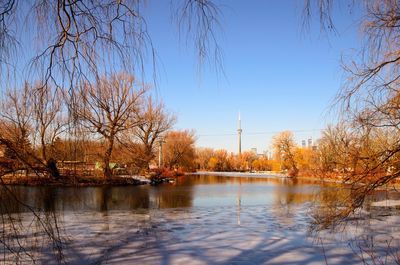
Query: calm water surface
[(203, 220), (187, 192)]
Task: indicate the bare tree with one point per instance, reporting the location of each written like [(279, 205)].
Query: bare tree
[(76, 40), (369, 99), (48, 121), (17, 125), (203, 156), (374, 73), (155, 120), (16, 110), (15, 135), (178, 150), (284, 147), (109, 108), (337, 149), (29, 114)]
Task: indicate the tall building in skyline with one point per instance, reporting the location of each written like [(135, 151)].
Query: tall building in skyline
[(239, 136), (254, 150)]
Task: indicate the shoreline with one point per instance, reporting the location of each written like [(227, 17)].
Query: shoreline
[(75, 181), (136, 180), (239, 174), (274, 174)]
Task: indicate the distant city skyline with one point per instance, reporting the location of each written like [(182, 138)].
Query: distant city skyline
[(259, 140)]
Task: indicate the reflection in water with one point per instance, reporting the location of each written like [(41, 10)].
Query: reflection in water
[(171, 196), (201, 207), (239, 202), (102, 199), (188, 191)]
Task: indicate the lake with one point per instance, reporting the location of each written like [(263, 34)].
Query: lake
[(198, 219)]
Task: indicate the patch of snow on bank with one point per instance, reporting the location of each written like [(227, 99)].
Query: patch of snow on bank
[(386, 203)]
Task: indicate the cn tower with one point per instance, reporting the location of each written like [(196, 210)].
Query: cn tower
[(239, 136)]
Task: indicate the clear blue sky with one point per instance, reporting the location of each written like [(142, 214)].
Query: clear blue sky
[(277, 75)]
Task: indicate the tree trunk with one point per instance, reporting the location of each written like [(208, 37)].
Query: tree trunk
[(43, 151), (52, 169), (43, 146), (107, 158), (148, 156)]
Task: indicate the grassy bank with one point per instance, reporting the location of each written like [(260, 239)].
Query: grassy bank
[(38, 180), (154, 177)]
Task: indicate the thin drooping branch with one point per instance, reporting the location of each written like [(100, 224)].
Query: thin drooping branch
[(198, 21), (81, 40)]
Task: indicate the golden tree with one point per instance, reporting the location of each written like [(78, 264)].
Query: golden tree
[(179, 150), (284, 148)]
